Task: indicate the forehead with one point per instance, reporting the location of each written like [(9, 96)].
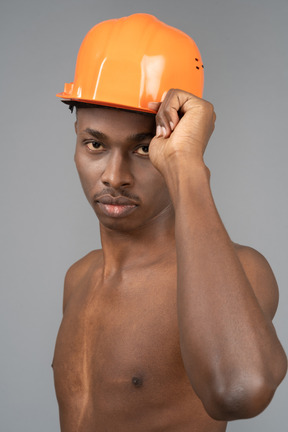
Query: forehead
[(114, 121)]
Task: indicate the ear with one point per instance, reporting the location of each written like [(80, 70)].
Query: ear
[(75, 127)]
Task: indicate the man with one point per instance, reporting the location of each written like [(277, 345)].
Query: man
[(169, 326)]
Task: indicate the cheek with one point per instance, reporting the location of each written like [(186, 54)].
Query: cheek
[(88, 172)]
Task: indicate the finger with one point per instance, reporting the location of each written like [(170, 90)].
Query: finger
[(167, 116), (154, 106), (163, 96), (173, 102)]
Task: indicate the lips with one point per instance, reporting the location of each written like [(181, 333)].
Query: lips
[(116, 206), (117, 201)]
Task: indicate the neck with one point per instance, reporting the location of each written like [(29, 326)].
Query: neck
[(141, 247)]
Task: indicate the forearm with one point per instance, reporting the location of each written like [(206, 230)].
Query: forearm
[(229, 346)]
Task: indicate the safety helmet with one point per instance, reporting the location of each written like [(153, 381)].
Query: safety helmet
[(131, 61)]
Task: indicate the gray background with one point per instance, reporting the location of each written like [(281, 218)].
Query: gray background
[(45, 222)]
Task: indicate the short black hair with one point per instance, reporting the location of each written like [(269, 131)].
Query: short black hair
[(78, 105)]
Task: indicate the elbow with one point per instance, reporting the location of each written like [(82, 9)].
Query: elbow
[(239, 401)]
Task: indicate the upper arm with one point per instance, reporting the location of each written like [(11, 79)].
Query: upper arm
[(261, 278)]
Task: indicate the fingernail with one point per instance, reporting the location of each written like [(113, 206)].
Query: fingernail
[(164, 131), (158, 131), (171, 125)]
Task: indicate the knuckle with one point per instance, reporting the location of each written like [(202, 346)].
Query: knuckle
[(209, 106), (171, 91)]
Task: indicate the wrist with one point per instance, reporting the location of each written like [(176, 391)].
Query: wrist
[(186, 180)]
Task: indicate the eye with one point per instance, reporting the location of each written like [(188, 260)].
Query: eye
[(94, 146), (143, 150)]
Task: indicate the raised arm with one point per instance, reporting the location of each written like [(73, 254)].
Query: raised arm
[(227, 294)]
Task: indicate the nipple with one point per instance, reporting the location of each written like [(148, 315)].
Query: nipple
[(137, 381)]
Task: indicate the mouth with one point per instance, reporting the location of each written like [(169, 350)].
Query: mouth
[(116, 206)]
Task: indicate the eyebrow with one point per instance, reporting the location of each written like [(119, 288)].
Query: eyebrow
[(139, 137), (96, 134)]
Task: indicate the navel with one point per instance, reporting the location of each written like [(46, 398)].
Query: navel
[(137, 381)]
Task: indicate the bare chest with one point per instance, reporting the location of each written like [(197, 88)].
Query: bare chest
[(121, 336), (117, 359)]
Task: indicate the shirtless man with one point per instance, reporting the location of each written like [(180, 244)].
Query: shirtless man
[(169, 326)]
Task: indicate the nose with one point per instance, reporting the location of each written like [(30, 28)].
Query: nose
[(117, 172)]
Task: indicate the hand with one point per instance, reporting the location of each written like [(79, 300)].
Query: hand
[(184, 124)]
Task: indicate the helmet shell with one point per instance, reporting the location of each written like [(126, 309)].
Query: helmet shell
[(131, 61)]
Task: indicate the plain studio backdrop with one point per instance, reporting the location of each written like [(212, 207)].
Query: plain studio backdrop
[(46, 223)]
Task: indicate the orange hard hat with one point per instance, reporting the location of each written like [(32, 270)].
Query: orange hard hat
[(131, 61)]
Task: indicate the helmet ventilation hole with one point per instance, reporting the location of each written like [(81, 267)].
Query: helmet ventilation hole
[(197, 67)]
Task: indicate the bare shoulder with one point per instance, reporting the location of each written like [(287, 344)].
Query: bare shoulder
[(78, 271), (261, 278)]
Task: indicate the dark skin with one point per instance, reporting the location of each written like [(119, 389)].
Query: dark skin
[(169, 326)]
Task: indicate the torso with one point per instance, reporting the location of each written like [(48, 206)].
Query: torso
[(117, 363)]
